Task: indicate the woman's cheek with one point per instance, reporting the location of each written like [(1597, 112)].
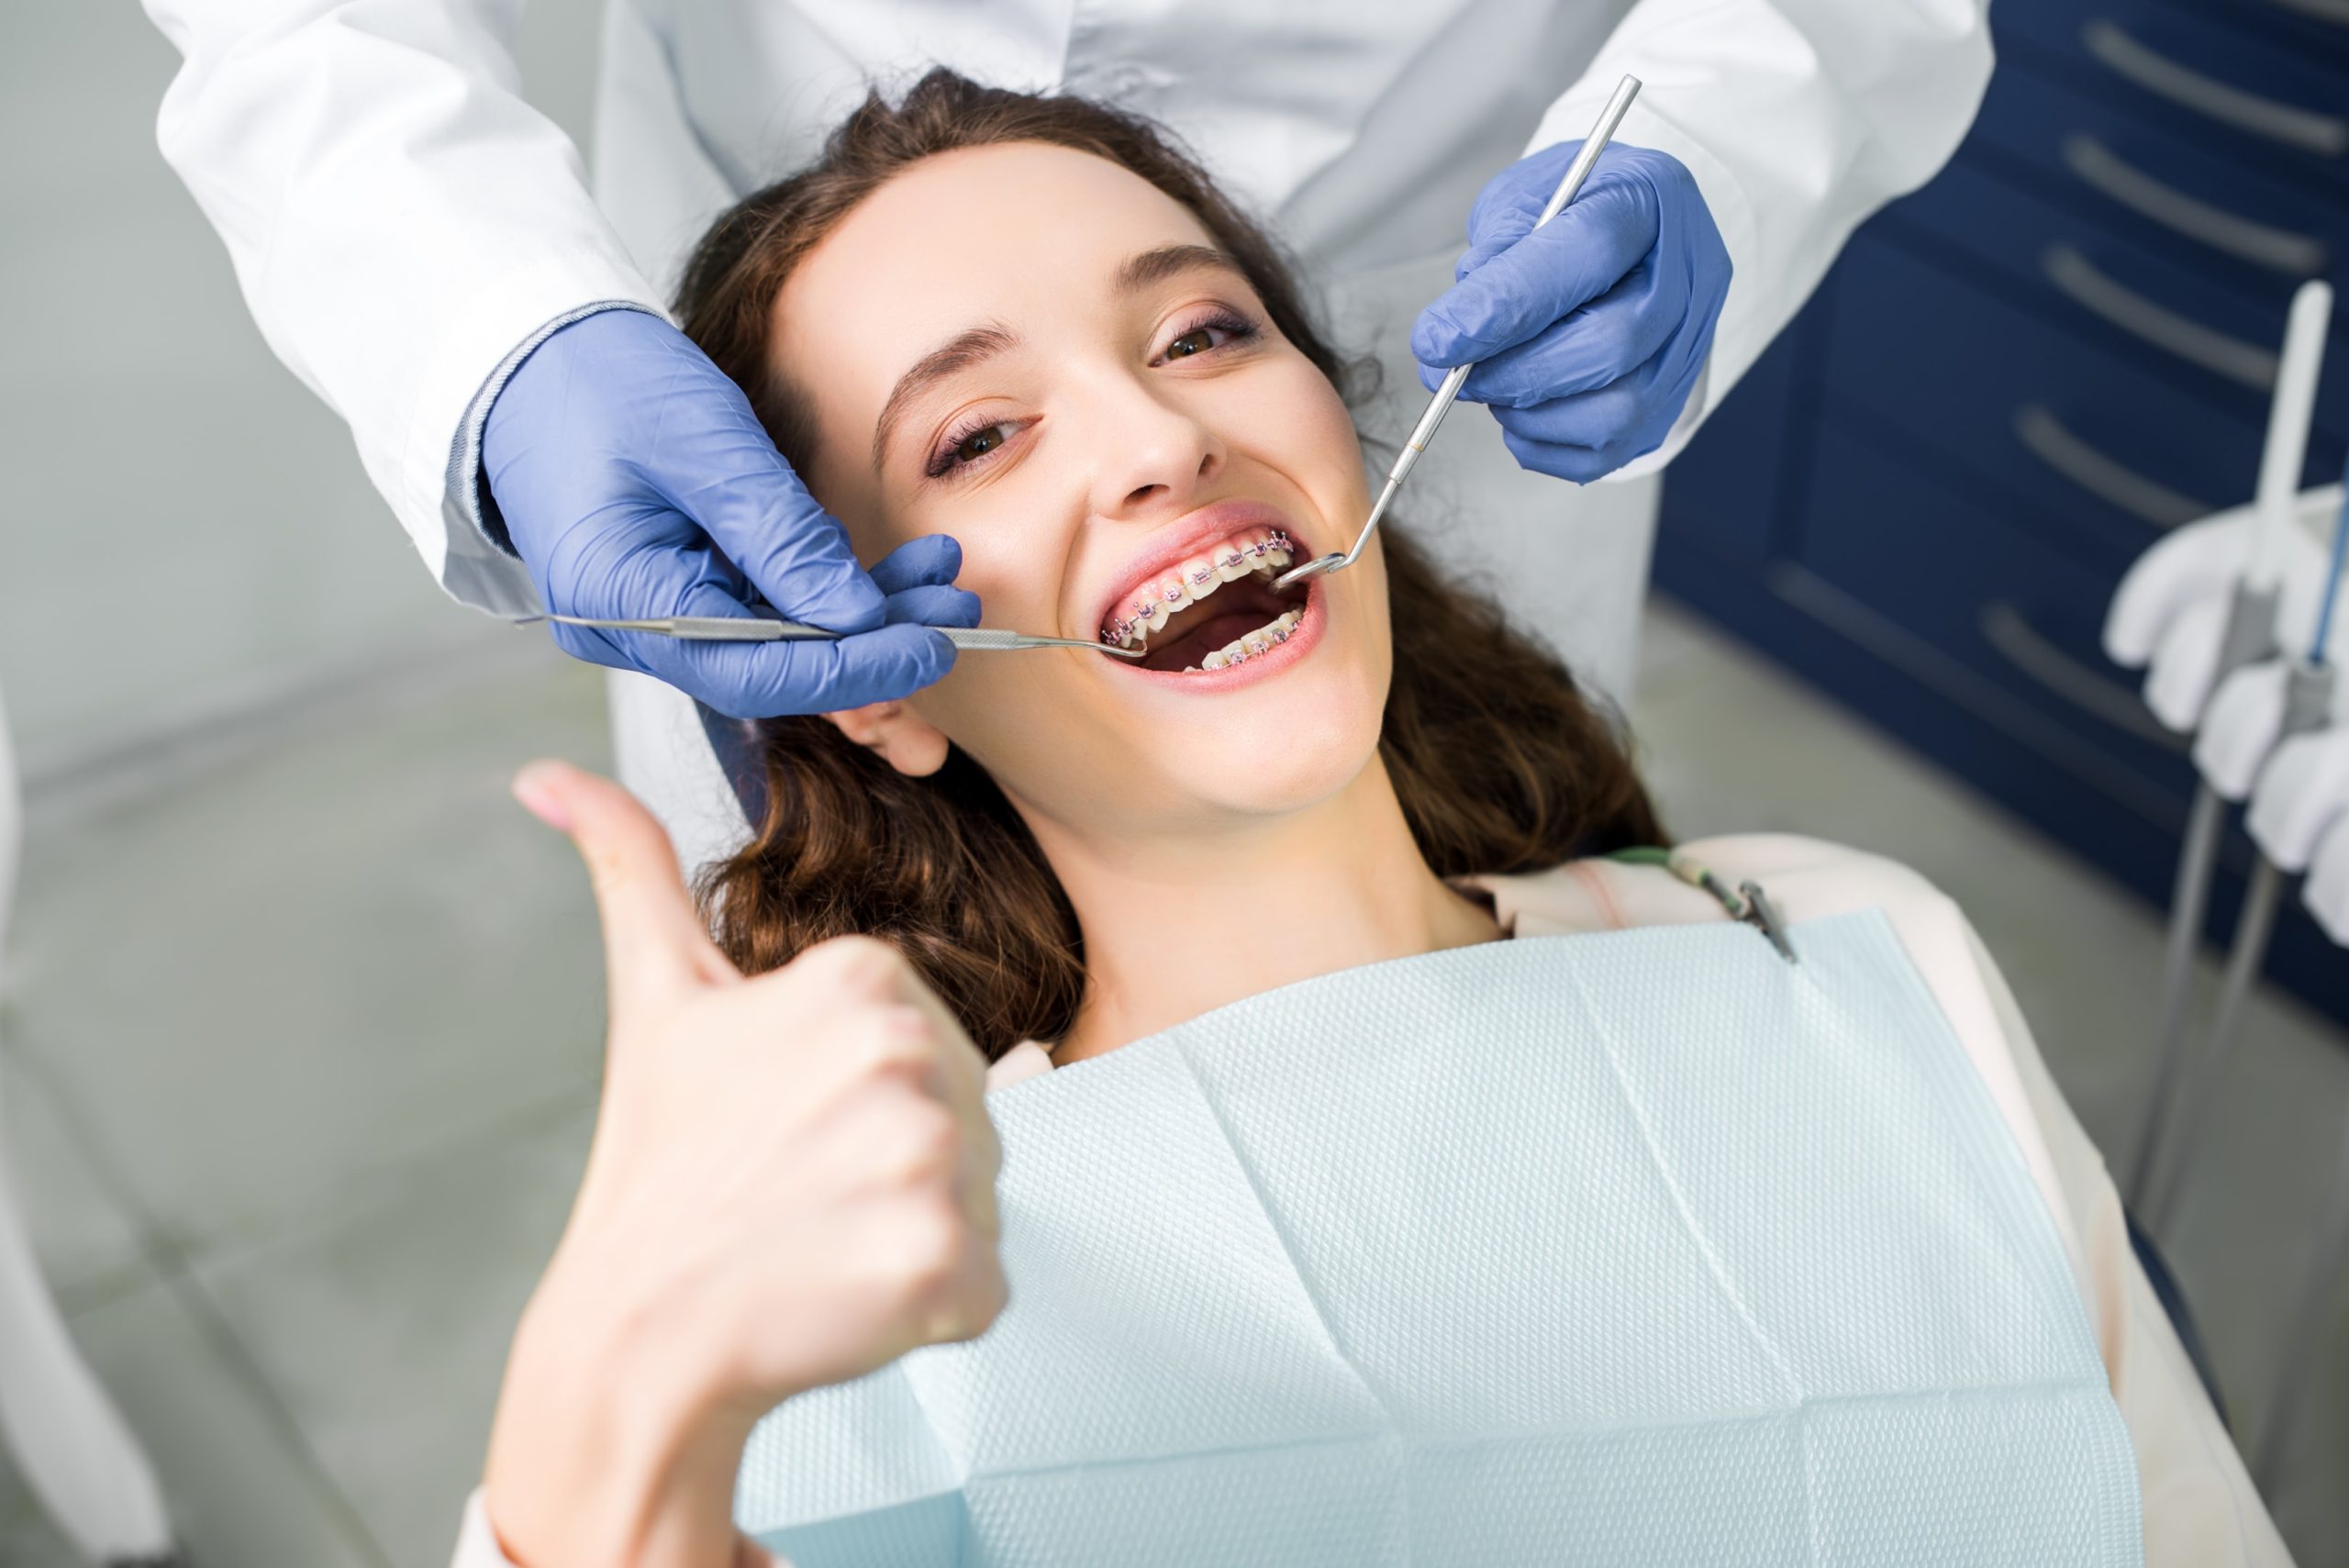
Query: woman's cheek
[(1013, 593), (1301, 426)]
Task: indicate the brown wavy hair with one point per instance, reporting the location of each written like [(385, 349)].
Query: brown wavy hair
[(1499, 763)]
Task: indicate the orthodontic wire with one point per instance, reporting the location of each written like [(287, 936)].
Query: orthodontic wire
[(1278, 540)]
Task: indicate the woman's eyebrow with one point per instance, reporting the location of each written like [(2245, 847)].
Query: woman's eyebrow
[(958, 354), (1155, 266)]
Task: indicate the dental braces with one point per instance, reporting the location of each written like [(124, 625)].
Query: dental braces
[(1117, 630), (1277, 635)]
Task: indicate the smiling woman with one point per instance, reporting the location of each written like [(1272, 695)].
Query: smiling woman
[(1447, 1188), (1034, 324)]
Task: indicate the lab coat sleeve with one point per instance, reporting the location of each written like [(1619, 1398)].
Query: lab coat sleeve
[(403, 225), (1799, 119)]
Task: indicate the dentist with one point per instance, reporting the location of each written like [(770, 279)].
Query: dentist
[(425, 251)]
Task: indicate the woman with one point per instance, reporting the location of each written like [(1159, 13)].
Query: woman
[(1029, 322)]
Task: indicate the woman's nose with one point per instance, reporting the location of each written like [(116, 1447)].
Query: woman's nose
[(1156, 454)]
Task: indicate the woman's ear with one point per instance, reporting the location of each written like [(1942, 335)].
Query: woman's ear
[(899, 735)]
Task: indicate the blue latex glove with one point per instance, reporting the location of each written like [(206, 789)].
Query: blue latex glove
[(1589, 334), (634, 481)]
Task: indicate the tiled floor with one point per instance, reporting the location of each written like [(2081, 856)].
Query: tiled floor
[(299, 1061), (300, 1066)]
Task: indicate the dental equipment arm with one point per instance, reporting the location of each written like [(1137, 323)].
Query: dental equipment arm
[(2298, 807), (2258, 706), (2169, 614), (2255, 709), (1784, 124), (2299, 818), (2248, 634), (2176, 610)]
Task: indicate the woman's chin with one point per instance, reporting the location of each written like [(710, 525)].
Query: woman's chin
[(1272, 762), (1286, 728)]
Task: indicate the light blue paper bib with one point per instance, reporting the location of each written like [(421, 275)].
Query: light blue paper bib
[(1642, 1247)]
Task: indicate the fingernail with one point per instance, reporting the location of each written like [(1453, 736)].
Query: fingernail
[(534, 786)]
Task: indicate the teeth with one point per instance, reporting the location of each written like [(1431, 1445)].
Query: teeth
[(1193, 581), (1260, 641), (1199, 578)]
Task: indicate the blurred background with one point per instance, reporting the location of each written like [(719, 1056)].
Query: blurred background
[(300, 1016)]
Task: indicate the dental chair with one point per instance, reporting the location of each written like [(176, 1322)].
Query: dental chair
[(68, 1441)]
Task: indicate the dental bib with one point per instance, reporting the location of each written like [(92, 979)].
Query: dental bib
[(1636, 1248)]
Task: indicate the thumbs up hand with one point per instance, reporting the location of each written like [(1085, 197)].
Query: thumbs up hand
[(792, 1185)]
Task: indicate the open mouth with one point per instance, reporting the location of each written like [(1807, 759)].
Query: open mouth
[(1217, 609)]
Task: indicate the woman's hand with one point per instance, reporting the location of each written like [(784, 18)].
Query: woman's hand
[(792, 1184)]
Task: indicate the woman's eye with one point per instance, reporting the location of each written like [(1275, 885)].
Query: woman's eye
[(978, 443), (969, 448), (1197, 341), (1210, 334)]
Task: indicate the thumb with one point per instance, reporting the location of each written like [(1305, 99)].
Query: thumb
[(654, 946)]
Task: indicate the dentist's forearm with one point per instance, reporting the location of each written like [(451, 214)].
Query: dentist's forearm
[(1865, 100), (400, 219)]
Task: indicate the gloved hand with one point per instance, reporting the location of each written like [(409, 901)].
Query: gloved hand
[(635, 482), (2171, 609), (2299, 818), (1589, 333)]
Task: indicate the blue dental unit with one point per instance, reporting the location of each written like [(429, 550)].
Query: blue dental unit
[(1923, 497)]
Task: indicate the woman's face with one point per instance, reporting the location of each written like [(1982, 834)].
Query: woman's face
[(1038, 352)]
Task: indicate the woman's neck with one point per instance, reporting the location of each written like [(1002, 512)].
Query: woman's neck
[(1176, 927)]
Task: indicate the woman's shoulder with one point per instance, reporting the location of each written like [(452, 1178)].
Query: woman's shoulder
[(1805, 879)]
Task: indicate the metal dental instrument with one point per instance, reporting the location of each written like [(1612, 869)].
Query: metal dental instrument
[(1745, 903), (2249, 637), (761, 629), (1424, 432)]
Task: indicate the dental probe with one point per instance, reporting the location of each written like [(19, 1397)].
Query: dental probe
[(2308, 705), (1424, 432), (762, 629), (2249, 637)]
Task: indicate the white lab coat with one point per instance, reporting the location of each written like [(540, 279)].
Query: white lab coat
[(404, 225)]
